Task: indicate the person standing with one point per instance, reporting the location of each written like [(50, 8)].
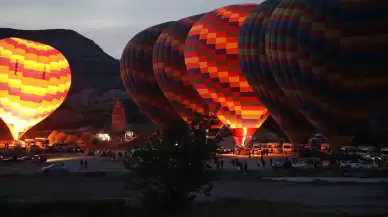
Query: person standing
[(222, 164), (258, 162), (86, 164), (81, 164)]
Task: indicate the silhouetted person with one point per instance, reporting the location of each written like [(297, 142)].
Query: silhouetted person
[(263, 162), (245, 166), (86, 164), (249, 155), (218, 166), (208, 189), (258, 162), (222, 164), (270, 161)]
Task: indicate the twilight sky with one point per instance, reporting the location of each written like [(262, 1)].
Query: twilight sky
[(109, 23)]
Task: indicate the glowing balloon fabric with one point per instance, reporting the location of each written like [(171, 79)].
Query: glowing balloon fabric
[(253, 62), (170, 69), (139, 78), (211, 57), (34, 81), (330, 58)]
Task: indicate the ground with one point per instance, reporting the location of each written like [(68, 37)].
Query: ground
[(24, 184)]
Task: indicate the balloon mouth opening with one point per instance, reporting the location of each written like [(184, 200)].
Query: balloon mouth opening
[(17, 130), (242, 136)]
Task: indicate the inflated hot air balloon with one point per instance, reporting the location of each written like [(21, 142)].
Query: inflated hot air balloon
[(170, 69), (139, 79), (34, 81), (211, 57), (253, 62), (330, 58)]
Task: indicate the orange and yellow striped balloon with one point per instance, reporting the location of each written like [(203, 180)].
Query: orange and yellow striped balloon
[(34, 81)]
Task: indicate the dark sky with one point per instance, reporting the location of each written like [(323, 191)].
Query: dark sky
[(110, 23)]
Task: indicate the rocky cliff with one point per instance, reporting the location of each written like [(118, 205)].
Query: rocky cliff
[(96, 82)]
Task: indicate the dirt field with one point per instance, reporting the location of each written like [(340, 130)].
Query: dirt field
[(353, 198)]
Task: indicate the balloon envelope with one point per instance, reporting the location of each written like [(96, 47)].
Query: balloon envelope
[(329, 58), (211, 58), (171, 73), (34, 81), (253, 61), (139, 78)]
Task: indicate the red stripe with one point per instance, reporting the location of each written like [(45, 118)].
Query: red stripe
[(51, 51), (34, 98), (21, 115)]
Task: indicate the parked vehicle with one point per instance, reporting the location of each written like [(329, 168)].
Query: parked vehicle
[(276, 147), (372, 157), (38, 159), (365, 150), (325, 147), (384, 152), (287, 147), (349, 150), (285, 164), (357, 164), (36, 149), (59, 147), (54, 167), (310, 162), (223, 150)]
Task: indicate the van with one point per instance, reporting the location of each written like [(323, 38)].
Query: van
[(287, 147)]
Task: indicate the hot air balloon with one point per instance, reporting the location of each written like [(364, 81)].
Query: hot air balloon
[(253, 62), (118, 118), (171, 73), (35, 79), (211, 57), (139, 79), (329, 58)]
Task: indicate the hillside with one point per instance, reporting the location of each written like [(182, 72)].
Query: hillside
[(96, 81)]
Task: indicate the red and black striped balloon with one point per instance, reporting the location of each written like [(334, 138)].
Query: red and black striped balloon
[(254, 64), (139, 78), (171, 73), (330, 58)]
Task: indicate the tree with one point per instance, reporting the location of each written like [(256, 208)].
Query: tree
[(52, 136), (173, 165), (71, 139), (60, 137)]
